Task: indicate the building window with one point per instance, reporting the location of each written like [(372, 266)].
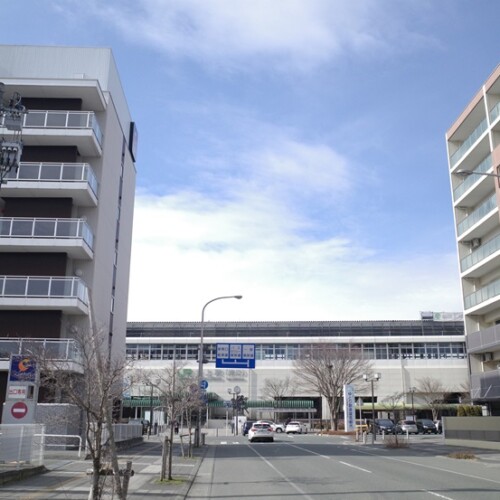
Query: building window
[(381, 351), (131, 351), (143, 351), (156, 351), (393, 351)]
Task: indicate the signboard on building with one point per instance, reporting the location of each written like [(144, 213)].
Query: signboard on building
[(235, 356), (349, 408), (22, 369)]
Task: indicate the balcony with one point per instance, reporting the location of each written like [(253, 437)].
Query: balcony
[(485, 386), (71, 236), (469, 141), (65, 353), (483, 260), (53, 180), (67, 294), (63, 128), (486, 208), (475, 178), (484, 300)]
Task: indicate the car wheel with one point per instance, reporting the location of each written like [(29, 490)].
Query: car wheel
[(279, 430)]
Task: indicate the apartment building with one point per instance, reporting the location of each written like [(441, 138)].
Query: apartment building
[(66, 214), (473, 144), (402, 352)]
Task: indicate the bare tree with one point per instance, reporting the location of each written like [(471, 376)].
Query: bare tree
[(433, 393), (179, 396), (92, 382), (326, 368), (278, 388), (392, 403)]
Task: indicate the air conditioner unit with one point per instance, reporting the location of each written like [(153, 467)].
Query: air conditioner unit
[(475, 242)]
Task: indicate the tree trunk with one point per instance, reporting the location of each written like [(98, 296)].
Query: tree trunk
[(164, 454)]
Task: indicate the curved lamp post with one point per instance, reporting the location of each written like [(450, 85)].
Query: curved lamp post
[(412, 391), (200, 359)]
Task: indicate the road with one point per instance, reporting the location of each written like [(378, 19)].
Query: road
[(319, 467)]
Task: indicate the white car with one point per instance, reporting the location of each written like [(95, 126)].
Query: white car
[(275, 427), (296, 427), (260, 432)]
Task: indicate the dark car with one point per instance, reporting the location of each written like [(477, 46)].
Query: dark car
[(382, 425), (246, 426), (426, 426)]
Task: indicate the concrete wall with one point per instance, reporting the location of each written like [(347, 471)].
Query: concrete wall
[(472, 428)]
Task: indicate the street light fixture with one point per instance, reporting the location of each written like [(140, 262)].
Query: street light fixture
[(375, 377), (465, 173), (201, 359)]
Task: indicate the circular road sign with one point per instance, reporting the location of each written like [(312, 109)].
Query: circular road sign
[(19, 410), (203, 384), (236, 389)]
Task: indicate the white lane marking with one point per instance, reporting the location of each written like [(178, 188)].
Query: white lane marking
[(472, 476), (329, 458), (437, 495), (291, 483), (355, 467)]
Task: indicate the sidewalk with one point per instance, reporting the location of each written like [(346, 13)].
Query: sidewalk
[(65, 476)]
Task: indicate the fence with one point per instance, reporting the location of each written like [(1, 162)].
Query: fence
[(21, 446)]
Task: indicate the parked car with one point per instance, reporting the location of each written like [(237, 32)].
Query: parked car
[(246, 426), (381, 425), (406, 427), (260, 432), (426, 426), (296, 427), (276, 427)]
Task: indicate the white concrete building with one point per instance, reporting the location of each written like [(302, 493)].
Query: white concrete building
[(66, 225), (403, 352), (473, 144)]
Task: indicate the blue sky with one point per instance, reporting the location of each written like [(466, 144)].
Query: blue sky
[(291, 151)]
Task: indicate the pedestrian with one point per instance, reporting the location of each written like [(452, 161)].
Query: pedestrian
[(176, 427)]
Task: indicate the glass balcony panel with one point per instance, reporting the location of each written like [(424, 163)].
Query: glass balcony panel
[(50, 171), (485, 293), (495, 112), (5, 226), (483, 210), (45, 228), (28, 171), (8, 347), (37, 287), (22, 227), (15, 287), (35, 119), (469, 181), (466, 145), (61, 287), (56, 119), (67, 229), (78, 120), (73, 172), (485, 250)]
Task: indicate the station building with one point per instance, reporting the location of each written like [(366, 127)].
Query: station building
[(402, 352)]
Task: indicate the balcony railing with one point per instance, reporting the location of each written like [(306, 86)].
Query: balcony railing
[(465, 146), (483, 167), (495, 112), (488, 292), (43, 287), (16, 227), (63, 119), (55, 172), (485, 250), (481, 211), (53, 349)]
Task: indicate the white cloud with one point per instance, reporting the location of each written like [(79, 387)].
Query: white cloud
[(297, 34), (186, 252)]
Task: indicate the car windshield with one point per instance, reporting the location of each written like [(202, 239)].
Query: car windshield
[(384, 422)]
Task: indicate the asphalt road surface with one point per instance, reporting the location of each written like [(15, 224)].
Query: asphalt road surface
[(320, 467)]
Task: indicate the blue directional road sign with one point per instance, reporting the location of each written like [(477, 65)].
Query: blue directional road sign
[(203, 384), (235, 356)]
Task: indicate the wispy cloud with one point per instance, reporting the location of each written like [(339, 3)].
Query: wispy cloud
[(278, 34)]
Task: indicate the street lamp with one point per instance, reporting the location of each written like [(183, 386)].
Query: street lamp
[(465, 173), (200, 360), (372, 378), (412, 391)]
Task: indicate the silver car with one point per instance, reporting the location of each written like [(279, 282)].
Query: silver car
[(406, 427), (260, 432)]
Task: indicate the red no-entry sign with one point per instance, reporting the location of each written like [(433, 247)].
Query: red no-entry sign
[(19, 410)]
